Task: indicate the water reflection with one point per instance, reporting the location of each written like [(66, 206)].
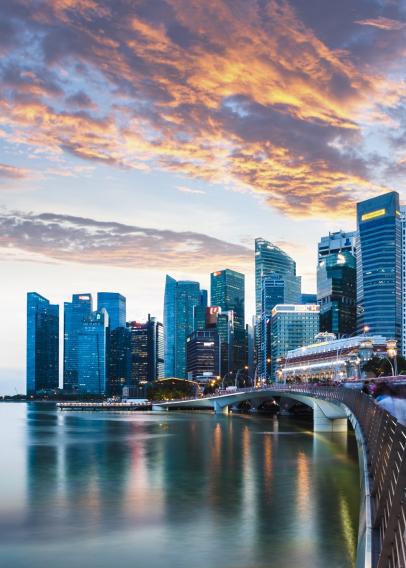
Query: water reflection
[(178, 489)]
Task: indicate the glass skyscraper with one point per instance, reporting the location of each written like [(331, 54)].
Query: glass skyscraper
[(270, 258), (379, 262), (227, 290), (42, 344), (147, 351), (180, 299), (203, 355), (119, 360), (92, 353), (115, 305), (75, 313)]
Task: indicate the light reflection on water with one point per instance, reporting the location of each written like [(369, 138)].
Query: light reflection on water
[(173, 489)]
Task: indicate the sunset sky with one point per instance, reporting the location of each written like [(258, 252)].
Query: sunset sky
[(140, 137)]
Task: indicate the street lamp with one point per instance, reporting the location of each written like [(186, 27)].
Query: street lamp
[(391, 350)]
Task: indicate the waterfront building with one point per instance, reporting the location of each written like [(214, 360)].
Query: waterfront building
[(379, 260), (180, 299), (115, 305), (227, 290), (119, 360), (292, 326), (330, 358), (203, 356), (42, 344), (75, 313), (270, 258), (403, 268), (147, 352), (93, 353), (337, 293)]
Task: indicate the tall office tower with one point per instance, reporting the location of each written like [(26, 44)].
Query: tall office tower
[(292, 326), (403, 264), (203, 356), (227, 290), (199, 317), (42, 344), (75, 313), (180, 298), (270, 258), (119, 360), (379, 264), (337, 292), (339, 241), (115, 305), (147, 351), (92, 353), (203, 298)]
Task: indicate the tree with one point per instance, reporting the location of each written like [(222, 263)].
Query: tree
[(380, 366)]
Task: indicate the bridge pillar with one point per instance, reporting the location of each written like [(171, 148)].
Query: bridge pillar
[(323, 424), (218, 409)]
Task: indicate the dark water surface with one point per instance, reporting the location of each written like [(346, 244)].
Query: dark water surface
[(173, 490)]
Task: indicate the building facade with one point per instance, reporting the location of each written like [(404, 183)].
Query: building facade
[(75, 313), (115, 305), (292, 326), (93, 353), (379, 266), (403, 268), (147, 351), (119, 360), (330, 358), (42, 344), (203, 356), (180, 299), (227, 290)]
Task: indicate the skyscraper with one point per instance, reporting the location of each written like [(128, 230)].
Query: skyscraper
[(403, 265), (379, 263), (119, 360), (292, 326), (203, 355), (75, 313), (147, 351), (270, 258), (180, 298), (227, 290), (115, 305), (92, 353), (42, 344), (336, 283)]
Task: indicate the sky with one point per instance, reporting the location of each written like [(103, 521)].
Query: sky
[(145, 137)]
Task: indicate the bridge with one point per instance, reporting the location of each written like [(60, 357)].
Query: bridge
[(381, 444)]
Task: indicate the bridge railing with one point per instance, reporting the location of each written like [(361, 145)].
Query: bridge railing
[(385, 440)]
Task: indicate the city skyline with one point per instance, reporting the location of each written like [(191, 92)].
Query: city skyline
[(261, 120)]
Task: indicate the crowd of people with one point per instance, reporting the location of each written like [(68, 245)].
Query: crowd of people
[(387, 398)]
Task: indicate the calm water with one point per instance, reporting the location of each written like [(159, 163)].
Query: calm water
[(173, 490)]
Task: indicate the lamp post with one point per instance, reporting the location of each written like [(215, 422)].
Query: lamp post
[(391, 351)]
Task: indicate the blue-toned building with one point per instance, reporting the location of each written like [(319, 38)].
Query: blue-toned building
[(180, 299), (75, 313), (227, 290), (115, 305), (92, 353), (379, 262), (308, 298), (119, 360), (42, 344)]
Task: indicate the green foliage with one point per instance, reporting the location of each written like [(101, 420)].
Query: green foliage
[(171, 389), (381, 367)]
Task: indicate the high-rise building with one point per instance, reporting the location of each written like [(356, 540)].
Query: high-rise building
[(180, 299), (336, 283), (42, 344), (93, 353), (147, 352), (119, 360), (338, 241), (227, 291), (270, 258), (203, 356), (115, 305), (309, 298), (75, 313), (379, 264), (292, 326), (403, 266)]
